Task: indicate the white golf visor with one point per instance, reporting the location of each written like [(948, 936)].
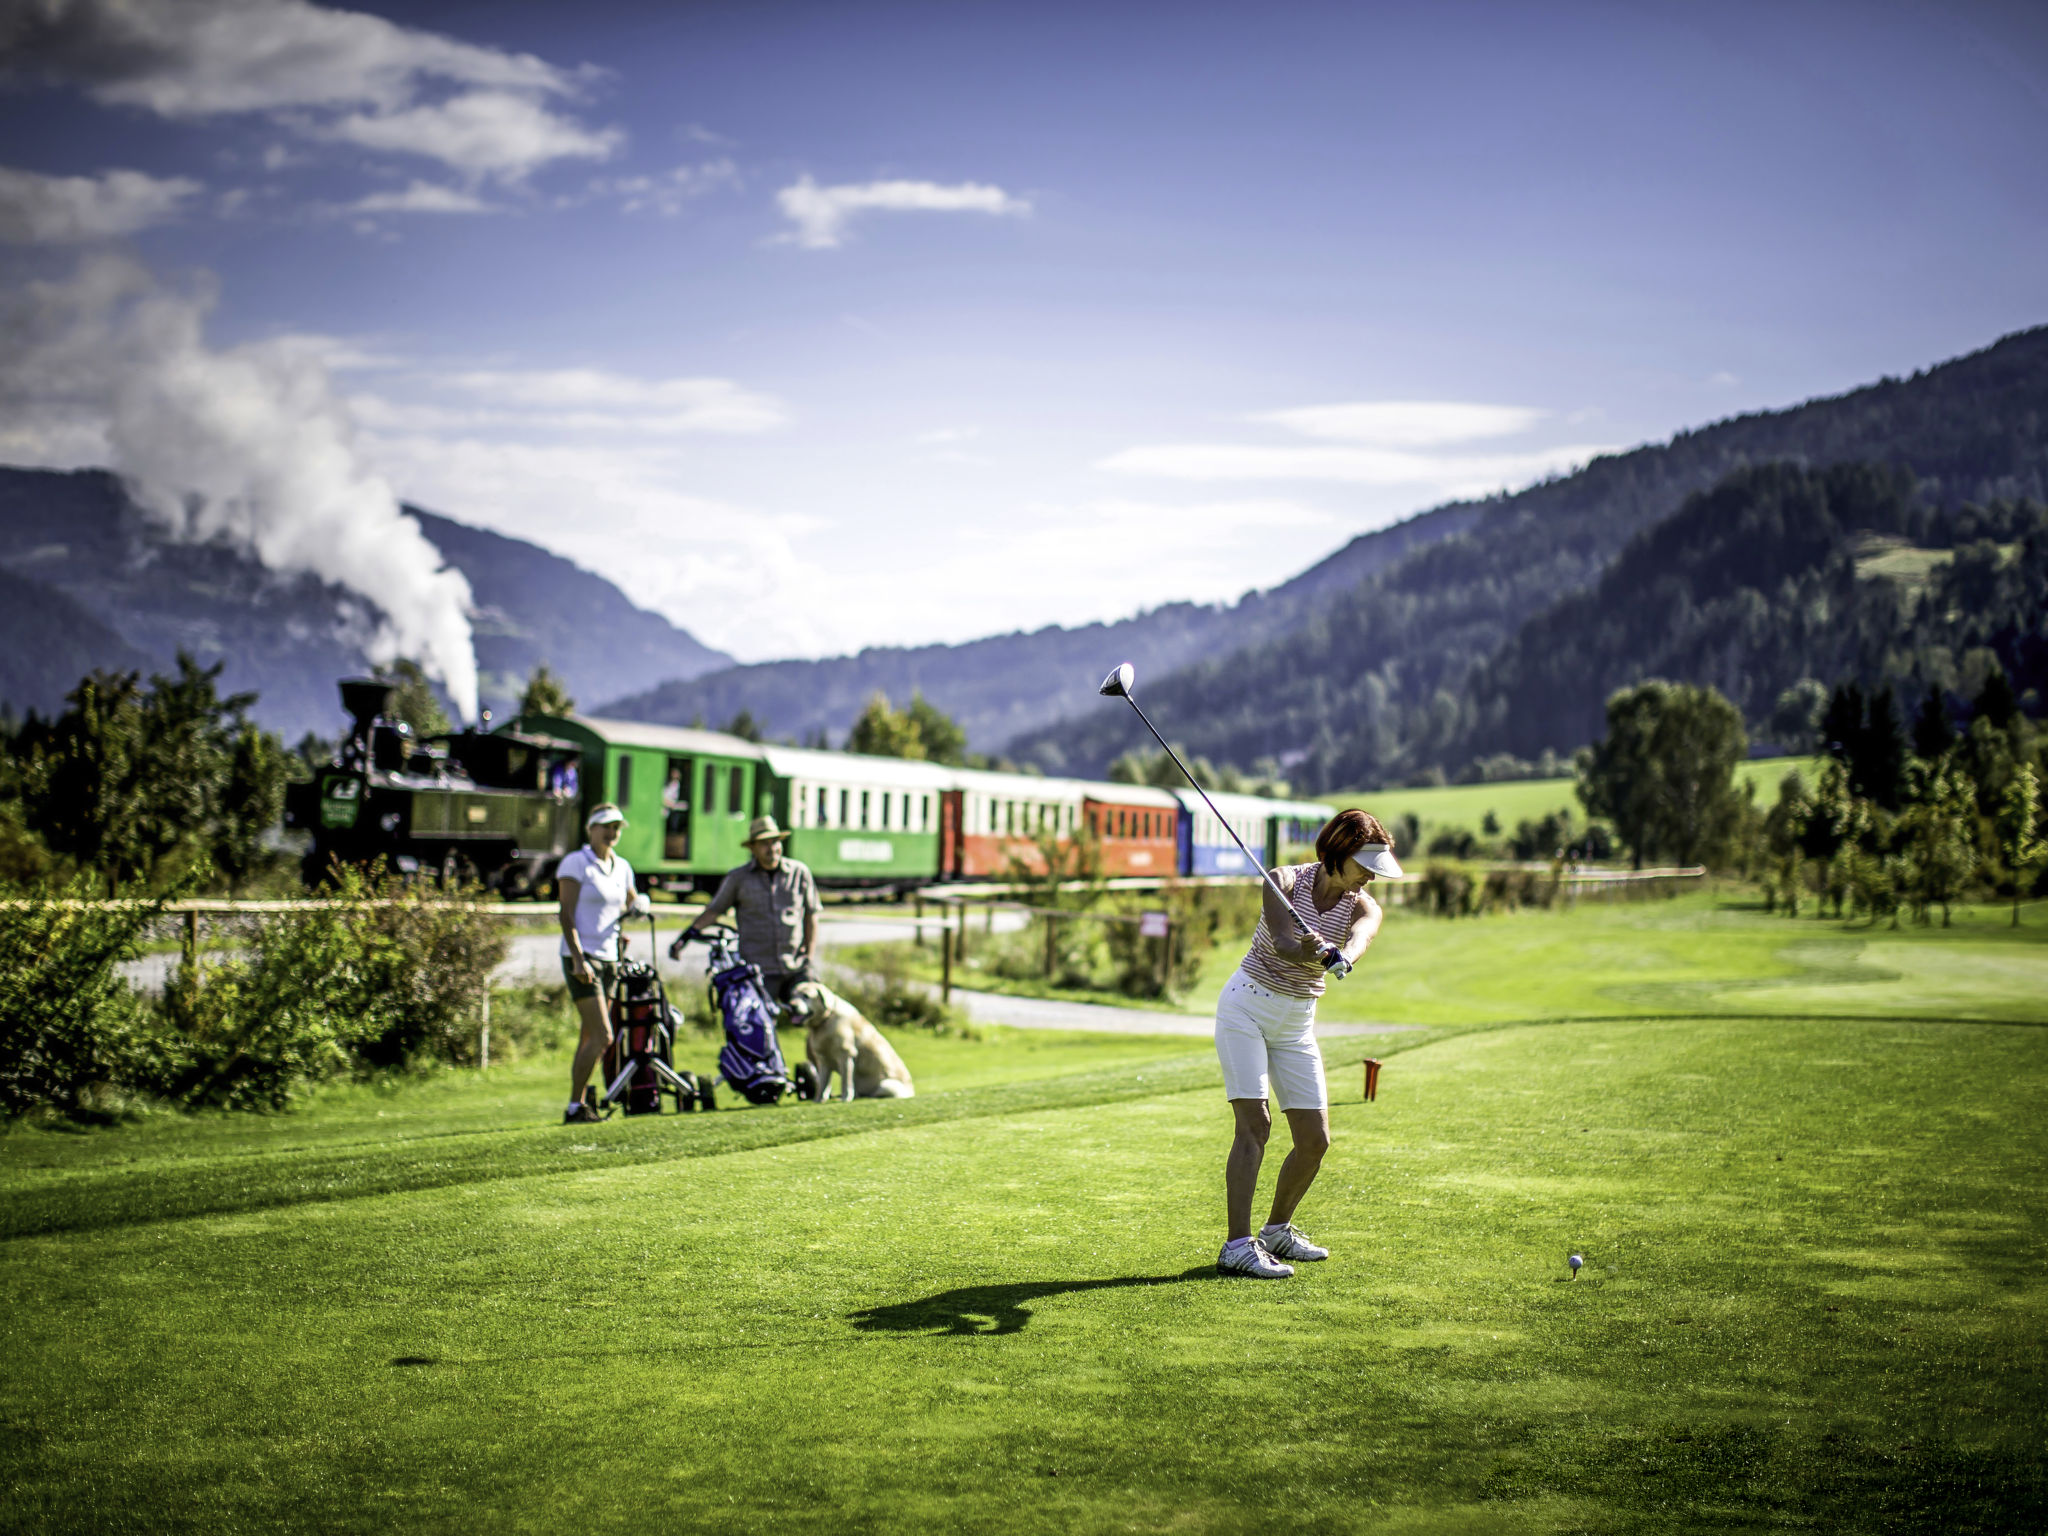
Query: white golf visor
[(605, 815), (1379, 858)]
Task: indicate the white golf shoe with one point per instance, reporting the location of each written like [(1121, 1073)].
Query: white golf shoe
[(1287, 1241), (1248, 1257)]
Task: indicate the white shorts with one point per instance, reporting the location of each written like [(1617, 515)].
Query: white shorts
[(1265, 1037)]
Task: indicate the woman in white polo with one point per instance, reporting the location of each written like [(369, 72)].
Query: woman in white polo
[(1265, 1034), (597, 892)]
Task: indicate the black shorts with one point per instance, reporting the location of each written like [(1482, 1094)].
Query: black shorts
[(603, 970)]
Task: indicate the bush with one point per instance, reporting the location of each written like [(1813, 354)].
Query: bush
[(71, 1029), (328, 990), (1201, 917), (891, 1000)]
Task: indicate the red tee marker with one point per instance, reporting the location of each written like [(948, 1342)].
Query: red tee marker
[(1372, 1079)]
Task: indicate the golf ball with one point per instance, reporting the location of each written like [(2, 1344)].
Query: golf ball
[(1575, 1261)]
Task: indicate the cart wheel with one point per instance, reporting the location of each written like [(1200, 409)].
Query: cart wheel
[(707, 1093), (808, 1085), (686, 1094)]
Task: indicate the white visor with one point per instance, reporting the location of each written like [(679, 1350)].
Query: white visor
[(1379, 858), (608, 814)]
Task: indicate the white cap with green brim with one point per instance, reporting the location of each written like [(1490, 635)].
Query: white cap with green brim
[(1379, 858), (603, 815)]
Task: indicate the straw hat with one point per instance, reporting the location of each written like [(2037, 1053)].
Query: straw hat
[(764, 830)]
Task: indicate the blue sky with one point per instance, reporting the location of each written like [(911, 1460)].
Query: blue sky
[(823, 326)]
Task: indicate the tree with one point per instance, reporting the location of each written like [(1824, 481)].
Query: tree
[(83, 789), (1664, 774), (251, 800), (745, 726), (883, 732), (944, 740), (1785, 840), (1933, 732), (546, 694), (1935, 834), (2019, 813), (1795, 718), (413, 700)]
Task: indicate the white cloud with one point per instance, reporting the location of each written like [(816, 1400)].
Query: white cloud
[(1404, 423), (583, 397), (326, 72), (421, 197), (670, 191), (483, 133), (74, 210), (1448, 474), (821, 214), (732, 576)]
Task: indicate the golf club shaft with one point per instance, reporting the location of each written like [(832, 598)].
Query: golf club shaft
[(1264, 873)]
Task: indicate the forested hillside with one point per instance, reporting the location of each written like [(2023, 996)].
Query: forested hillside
[(1777, 574), (106, 588), (1373, 688), (1006, 684)]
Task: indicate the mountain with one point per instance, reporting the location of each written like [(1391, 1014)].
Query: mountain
[(114, 591), (1007, 684), (1373, 688), (1775, 575)]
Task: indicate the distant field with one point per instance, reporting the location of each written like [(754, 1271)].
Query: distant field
[(1466, 805)]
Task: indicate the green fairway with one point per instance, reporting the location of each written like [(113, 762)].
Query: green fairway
[(1516, 800), (1814, 1293)]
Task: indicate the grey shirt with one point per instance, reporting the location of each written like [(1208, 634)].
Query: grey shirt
[(772, 910)]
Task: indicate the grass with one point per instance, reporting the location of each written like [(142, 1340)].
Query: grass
[(1513, 801), (1814, 1292)]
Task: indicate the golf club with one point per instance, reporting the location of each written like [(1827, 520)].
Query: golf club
[(1118, 686)]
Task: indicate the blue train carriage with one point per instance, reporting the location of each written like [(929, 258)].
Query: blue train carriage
[(859, 821), (688, 794), (1276, 831)]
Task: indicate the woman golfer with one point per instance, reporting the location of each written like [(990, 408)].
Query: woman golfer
[(1265, 1034)]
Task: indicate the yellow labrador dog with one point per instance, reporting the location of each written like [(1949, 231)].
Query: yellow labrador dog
[(837, 1039)]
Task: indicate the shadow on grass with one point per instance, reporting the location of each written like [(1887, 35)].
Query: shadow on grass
[(1001, 1307)]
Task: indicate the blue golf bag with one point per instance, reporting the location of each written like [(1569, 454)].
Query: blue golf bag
[(751, 1060)]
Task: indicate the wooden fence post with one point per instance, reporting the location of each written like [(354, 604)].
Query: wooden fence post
[(946, 965), (917, 927), (483, 1044), (192, 940), (1052, 944)]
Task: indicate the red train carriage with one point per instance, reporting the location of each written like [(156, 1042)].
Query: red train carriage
[(1138, 827), (991, 819)]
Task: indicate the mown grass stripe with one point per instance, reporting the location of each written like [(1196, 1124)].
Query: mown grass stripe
[(129, 1196)]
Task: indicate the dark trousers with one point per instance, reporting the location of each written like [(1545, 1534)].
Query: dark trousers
[(781, 983)]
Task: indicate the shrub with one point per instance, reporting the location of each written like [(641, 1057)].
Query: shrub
[(70, 1026), (888, 997)]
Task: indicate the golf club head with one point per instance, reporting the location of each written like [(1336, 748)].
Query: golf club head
[(1118, 684)]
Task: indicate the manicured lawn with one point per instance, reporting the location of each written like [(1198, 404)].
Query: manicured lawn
[(1814, 1294)]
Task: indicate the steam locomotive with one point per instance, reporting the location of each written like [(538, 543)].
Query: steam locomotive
[(501, 807)]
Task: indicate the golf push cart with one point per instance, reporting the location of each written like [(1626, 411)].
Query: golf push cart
[(639, 1064)]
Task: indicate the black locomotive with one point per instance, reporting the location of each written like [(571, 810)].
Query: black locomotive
[(502, 807)]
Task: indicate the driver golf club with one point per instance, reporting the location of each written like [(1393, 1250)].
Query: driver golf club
[(1118, 686)]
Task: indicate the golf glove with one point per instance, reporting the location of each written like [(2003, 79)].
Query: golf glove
[(1335, 963)]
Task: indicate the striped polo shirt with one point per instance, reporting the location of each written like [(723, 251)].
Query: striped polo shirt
[(1265, 965)]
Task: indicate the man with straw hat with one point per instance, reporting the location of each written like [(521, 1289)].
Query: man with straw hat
[(775, 900)]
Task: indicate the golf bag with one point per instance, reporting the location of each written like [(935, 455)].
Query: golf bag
[(751, 1060), (639, 1064)]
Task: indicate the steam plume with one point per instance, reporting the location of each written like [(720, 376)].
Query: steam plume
[(250, 444)]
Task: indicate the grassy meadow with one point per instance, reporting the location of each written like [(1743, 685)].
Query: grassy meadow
[(1452, 806), (1804, 1163)]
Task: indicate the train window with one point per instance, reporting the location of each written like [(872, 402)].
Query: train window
[(733, 792), (625, 779), (710, 787), (845, 800), (863, 810), (884, 822), (824, 806), (924, 820)]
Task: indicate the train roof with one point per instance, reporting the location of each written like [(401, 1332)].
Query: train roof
[(668, 738), (1132, 794), (815, 767), (1238, 807), (1020, 786)]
